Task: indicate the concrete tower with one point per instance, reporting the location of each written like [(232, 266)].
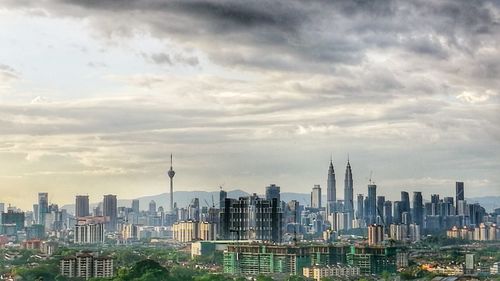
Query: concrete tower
[(348, 191), (82, 206), (171, 174), (331, 189)]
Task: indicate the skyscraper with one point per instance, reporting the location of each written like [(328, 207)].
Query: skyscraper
[(388, 213), (331, 189), (110, 210), (222, 198), (397, 212), (372, 203), (43, 206), (152, 207), (36, 213), (135, 206), (418, 208), (348, 191), (82, 206), (405, 202), (171, 174), (359, 210), (316, 197), (273, 191), (380, 208), (460, 196)]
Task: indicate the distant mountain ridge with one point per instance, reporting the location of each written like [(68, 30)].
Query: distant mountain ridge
[(184, 198)]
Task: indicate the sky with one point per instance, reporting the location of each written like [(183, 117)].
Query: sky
[(95, 95)]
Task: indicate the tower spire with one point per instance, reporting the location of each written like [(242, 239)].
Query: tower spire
[(348, 190), (171, 174), (331, 190)]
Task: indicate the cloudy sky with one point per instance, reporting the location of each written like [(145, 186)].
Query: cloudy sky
[(95, 95)]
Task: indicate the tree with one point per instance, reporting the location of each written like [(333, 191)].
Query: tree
[(262, 277), (146, 270)]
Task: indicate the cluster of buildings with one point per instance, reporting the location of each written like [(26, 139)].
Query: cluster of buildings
[(482, 232), (252, 217), (271, 227)]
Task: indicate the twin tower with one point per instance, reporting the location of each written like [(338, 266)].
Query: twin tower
[(331, 191)]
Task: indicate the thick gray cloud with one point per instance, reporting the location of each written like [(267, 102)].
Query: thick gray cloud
[(385, 80)]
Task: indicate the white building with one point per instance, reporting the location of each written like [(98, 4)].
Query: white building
[(92, 233), (318, 273)]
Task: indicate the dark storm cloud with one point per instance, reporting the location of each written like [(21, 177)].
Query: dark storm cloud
[(299, 36)]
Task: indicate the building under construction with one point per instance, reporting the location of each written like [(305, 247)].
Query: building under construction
[(254, 259), (372, 259)]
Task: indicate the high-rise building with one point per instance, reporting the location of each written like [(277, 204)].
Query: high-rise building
[(110, 210), (171, 174), (85, 266), (387, 213), (152, 208), (375, 234), (222, 197), (398, 232), (380, 210), (397, 212), (251, 218), (459, 188), (316, 197), (43, 206), (418, 208), (348, 191), (372, 203), (14, 218), (405, 202), (82, 206), (189, 231), (293, 209), (135, 206), (89, 233), (194, 209), (331, 189), (273, 192), (434, 211), (36, 219), (359, 210)]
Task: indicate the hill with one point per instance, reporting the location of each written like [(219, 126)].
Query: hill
[(183, 198)]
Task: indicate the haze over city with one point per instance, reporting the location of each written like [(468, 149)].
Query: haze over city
[(95, 95)]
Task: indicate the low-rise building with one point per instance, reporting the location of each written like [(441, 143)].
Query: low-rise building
[(319, 272)]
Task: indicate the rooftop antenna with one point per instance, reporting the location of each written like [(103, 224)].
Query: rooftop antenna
[(370, 179)]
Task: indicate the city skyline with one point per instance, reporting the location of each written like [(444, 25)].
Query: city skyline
[(245, 94), (368, 194), (362, 188)]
